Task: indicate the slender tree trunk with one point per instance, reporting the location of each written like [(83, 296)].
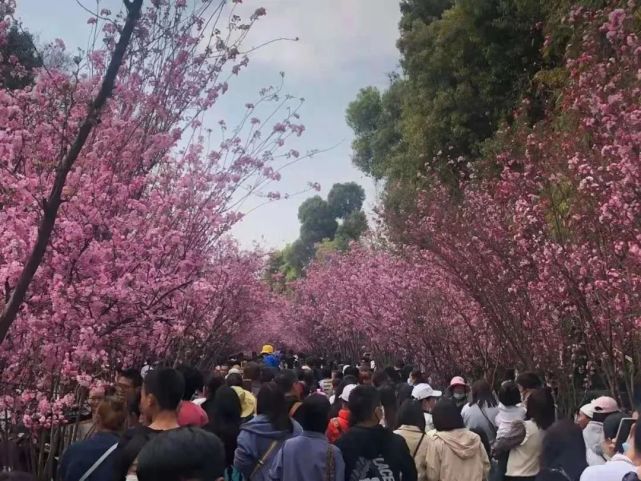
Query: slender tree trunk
[(51, 205)]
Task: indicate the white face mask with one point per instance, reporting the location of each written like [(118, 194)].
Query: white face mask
[(459, 395), (131, 477)]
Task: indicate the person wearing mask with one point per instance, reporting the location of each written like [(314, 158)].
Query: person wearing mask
[(161, 394), (453, 452), (189, 413), (621, 466), (261, 439), (480, 413), (371, 451), (339, 425), (182, 454), (428, 398), (390, 407), (457, 391), (602, 407), (524, 457), (93, 458), (309, 456), (563, 453), (528, 382), (412, 430), (225, 423)]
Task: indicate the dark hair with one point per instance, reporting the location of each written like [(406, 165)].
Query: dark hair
[(193, 381), (213, 384), (611, 425), (112, 413), (234, 379), (133, 374), (167, 385), (392, 374), (363, 401), (314, 413), (509, 394), (310, 381), (252, 371), (529, 380), (411, 414), (418, 376), (482, 394), (225, 420), (563, 448), (351, 371), (184, 453), (133, 405), (338, 402), (380, 378), (406, 371), (388, 400), (540, 408), (271, 402), (326, 372), (446, 416), (267, 374), (285, 380), (484, 440)]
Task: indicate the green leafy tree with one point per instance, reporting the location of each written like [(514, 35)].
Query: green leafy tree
[(317, 219), (346, 198), (18, 59)]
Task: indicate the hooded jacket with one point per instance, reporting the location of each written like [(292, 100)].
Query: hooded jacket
[(254, 441), (593, 435), (376, 453), (456, 455), (417, 443)]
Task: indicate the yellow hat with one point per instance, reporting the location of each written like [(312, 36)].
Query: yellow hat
[(267, 349), (247, 402)]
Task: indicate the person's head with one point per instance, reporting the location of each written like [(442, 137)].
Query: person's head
[(528, 382), (285, 381), (271, 403), (326, 372), (226, 407), (380, 378), (411, 414), (446, 416), (390, 406), (365, 376), (314, 413), (234, 379), (252, 371), (365, 406), (111, 414), (392, 374), (603, 406), (162, 391), (564, 447), (127, 381), (267, 374), (610, 431), (427, 396), (416, 377), (509, 394), (585, 415), (96, 395), (180, 455), (351, 371), (482, 394), (214, 382), (458, 388), (193, 381), (540, 408)]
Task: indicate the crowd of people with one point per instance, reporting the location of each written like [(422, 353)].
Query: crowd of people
[(283, 418)]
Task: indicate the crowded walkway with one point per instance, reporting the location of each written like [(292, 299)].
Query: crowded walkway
[(284, 417)]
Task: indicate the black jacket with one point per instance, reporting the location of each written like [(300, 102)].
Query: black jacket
[(372, 453)]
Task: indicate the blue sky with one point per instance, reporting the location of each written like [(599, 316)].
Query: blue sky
[(343, 45)]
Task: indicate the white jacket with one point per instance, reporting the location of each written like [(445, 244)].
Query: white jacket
[(613, 470), (505, 416)]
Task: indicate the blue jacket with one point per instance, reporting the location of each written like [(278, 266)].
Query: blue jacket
[(255, 438), (79, 457), (305, 458)]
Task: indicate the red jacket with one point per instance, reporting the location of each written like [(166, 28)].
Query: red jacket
[(338, 426)]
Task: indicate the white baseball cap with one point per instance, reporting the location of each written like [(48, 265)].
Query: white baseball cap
[(347, 390), (423, 391)]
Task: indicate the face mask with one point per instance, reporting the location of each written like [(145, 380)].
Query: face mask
[(459, 395), (625, 446)]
